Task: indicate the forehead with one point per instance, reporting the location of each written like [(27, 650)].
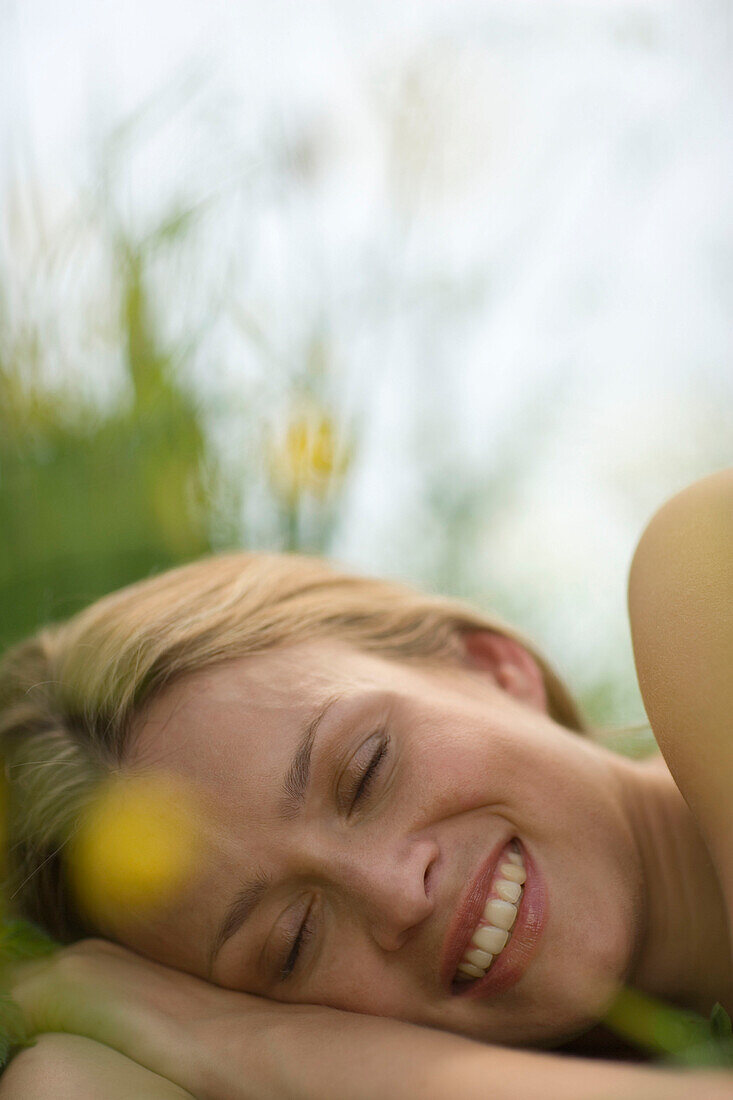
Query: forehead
[(232, 728), (202, 724)]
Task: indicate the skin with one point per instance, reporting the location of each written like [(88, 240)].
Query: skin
[(485, 717), (680, 596), (473, 758), (61, 1066)]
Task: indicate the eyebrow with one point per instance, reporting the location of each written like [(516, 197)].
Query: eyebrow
[(295, 783), (293, 792)]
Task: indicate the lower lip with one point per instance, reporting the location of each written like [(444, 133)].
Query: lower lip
[(509, 966)]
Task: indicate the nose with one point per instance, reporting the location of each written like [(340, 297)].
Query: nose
[(389, 888)]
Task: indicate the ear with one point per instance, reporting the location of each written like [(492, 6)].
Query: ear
[(512, 667)]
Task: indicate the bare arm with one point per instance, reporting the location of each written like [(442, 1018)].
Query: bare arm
[(71, 1067), (321, 1054), (383, 1058), (219, 1045)]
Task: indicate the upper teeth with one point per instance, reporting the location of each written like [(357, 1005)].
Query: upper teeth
[(492, 932)]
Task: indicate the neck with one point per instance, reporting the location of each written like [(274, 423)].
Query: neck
[(683, 954)]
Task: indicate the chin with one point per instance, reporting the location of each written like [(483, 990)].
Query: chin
[(555, 1014)]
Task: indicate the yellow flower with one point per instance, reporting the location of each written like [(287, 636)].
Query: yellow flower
[(310, 455), (137, 843)]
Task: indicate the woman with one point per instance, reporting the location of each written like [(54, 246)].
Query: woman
[(402, 825)]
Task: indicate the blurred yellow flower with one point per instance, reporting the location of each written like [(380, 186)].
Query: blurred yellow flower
[(137, 843), (309, 456)]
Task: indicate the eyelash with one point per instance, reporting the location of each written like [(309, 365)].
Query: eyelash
[(304, 934), (364, 783), (369, 773)]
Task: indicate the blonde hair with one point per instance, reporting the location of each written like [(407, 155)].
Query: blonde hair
[(68, 696)]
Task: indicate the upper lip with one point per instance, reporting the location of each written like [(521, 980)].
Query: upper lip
[(468, 914)]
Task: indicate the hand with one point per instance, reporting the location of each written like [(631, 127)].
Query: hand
[(70, 1067), (154, 1015), (214, 1043)]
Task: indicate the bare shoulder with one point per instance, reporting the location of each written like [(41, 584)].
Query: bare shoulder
[(680, 598)]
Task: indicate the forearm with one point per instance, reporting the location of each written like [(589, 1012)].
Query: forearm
[(72, 1067), (311, 1056), (215, 1044)]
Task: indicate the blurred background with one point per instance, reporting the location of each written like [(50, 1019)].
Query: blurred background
[(442, 290)]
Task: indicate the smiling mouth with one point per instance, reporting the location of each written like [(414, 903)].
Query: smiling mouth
[(493, 930)]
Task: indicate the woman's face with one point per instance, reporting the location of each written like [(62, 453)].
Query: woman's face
[(355, 807)]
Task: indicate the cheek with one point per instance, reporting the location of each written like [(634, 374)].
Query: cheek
[(358, 981), (165, 941), (561, 784), (459, 761), (514, 759), (567, 810)]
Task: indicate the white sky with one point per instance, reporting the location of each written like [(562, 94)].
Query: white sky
[(549, 214)]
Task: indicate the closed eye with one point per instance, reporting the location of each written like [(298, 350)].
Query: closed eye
[(304, 934), (368, 773)]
